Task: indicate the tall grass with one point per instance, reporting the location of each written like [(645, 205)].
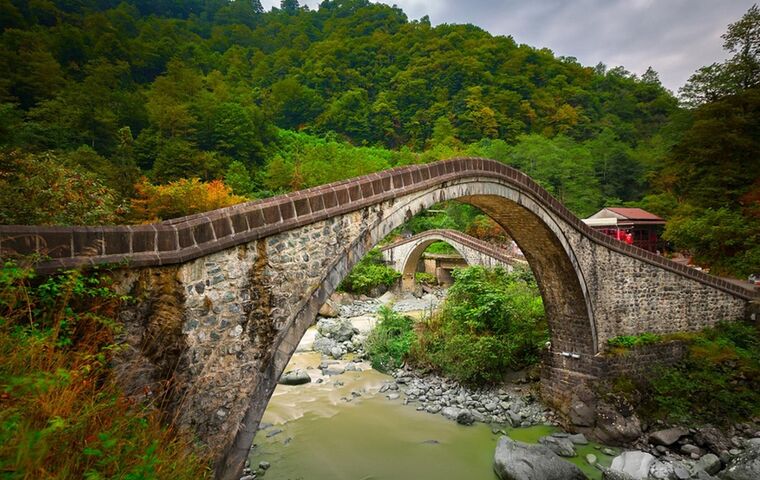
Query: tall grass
[(62, 415)]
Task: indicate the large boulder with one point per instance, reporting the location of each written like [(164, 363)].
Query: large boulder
[(324, 345), (329, 309), (460, 415), (338, 329), (634, 463), (613, 428), (296, 377), (563, 447), (667, 437), (712, 439), (521, 461), (745, 466)]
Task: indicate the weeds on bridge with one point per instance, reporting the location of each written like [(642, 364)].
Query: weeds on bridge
[(62, 415), (717, 382)]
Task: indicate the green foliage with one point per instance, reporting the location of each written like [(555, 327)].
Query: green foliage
[(239, 180), (631, 341), (390, 341), (426, 278), (718, 381), (492, 322), (62, 414), (440, 247), (370, 273), (43, 189), (202, 83), (722, 238), (737, 73)]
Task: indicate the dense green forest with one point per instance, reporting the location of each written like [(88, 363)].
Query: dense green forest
[(135, 111)]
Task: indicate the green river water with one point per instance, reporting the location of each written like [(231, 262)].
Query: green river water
[(322, 436)]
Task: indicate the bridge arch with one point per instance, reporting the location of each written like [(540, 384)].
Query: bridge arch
[(247, 281), (549, 253), (404, 255)]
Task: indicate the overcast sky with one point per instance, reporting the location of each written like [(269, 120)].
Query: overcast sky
[(675, 37)]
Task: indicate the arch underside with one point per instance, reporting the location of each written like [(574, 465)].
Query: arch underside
[(413, 257), (535, 231)]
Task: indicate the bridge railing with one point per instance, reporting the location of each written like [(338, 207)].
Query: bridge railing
[(186, 238)]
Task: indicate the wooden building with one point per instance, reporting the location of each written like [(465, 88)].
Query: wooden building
[(630, 225)]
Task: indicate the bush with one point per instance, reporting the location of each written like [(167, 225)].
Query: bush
[(179, 198), (624, 342), (390, 341), (62, 414), (492, 322), (426, 278), (40, 189), (717, 382), (370, 273)]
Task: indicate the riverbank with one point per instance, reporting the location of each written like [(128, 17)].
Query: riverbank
[(348, 420)]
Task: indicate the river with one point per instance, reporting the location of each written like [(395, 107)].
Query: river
[(341, 428)]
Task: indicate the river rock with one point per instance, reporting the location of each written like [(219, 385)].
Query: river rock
[(338, 329), (324, 345), (667, 437), (296, 377), (578, 439), (634, 463), (609, 474), (712, 439), (521, 461), (615, 429), (561, 446), (745, 466), (660, 470), (710, 463), (329, 309)]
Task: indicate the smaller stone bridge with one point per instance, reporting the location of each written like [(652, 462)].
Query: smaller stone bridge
[(404, 255)]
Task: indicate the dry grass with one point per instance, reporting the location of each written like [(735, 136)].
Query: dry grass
[(62, 416)]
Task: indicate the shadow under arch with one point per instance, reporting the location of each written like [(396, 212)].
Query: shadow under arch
[(550, 255)]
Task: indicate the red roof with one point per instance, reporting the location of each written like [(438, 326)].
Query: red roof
[(634, 213)]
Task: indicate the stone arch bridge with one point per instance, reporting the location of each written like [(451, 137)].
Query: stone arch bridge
[(225, 296), (404, 255)]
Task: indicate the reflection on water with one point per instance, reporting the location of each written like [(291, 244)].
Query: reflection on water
[(342, 429)]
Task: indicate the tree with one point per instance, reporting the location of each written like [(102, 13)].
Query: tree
[(739, 72), (39, 189), (743, 40), (238, 179), (289, 6), (154, 203)]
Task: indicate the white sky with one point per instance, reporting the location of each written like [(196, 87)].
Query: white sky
[(675, 37)]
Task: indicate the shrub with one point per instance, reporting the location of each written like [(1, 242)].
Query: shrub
[(492, 322), (179, 198), (717, 382), (390, 341), (426, 278), (631, 341), (40, 189), (369, 273), (62, 414)]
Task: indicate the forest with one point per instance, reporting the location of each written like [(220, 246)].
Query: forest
[(138, 111)]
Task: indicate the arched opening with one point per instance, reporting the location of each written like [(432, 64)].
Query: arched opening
[(437, 265), (538, 233)]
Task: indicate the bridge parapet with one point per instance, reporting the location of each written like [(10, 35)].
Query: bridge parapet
[(183, 239), (230, 293)]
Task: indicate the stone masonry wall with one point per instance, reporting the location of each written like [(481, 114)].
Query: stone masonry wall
[(223, 298)]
